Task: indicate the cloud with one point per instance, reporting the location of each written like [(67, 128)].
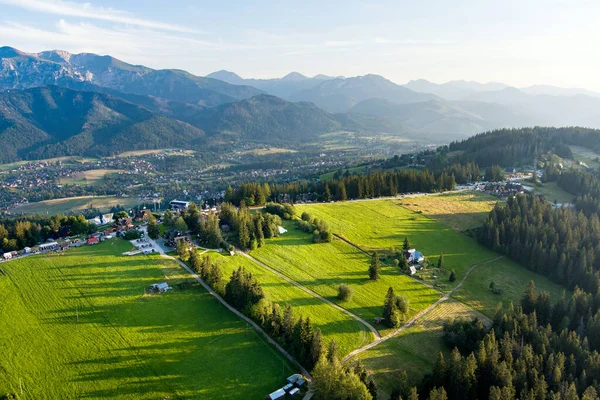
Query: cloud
[(89, 11)]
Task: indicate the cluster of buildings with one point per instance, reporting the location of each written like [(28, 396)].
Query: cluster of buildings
[(503, 190), (414, 259), (291, 389)]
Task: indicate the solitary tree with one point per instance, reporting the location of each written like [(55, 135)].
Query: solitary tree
[(345, 292), (492, 285), (440, 263), (375, 267), (452, 277)]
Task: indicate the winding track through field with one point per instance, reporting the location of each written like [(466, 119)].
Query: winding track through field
[(420, 314), (312, 293), (233, 310)]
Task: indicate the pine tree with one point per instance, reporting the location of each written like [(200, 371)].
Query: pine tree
[(390, 312), (452, 276), (317, 348), (406, 245), (440, 263), (153, 228), (375, 267)]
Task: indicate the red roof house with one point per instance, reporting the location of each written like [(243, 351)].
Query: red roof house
[(93, 240)]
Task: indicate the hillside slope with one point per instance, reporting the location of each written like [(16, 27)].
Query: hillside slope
[(53, 121), (266, 118)]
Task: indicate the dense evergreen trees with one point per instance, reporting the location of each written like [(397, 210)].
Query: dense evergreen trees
[(560, 244), (375, 184), (250, 230), (515, 147), (17, 233), (245, 293)]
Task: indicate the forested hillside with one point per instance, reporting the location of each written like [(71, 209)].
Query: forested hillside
[(53, 121), (514, 147)]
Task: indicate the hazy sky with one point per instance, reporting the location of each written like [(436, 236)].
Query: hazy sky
[(520, 42)]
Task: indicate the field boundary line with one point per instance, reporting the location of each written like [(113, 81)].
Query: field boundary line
[(313, 293), (357, 247), (424, 312)]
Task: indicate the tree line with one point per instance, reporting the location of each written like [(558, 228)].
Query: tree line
[(511, 147), (244, 292), (17, 233), (374, 184)]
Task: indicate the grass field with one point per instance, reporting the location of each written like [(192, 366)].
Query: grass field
[(64, 206), (588, 156), (324, 266), (508, 276), (90, 177), (268, 150), (348, 333), (552, 192), (415, 350), (382, 224), (79, 325), (461, 211)]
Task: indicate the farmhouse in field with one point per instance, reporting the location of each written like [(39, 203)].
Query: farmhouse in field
[(161, 287), (414, 257), (7, 256)]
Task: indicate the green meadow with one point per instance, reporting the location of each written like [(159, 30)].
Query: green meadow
[(322, 267), (79, 325), (335, 325), (383, 224)]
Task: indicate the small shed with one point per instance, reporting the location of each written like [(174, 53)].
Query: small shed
[(276, 395), (294, 392), (282, 230), (7, 256), (27, 250), (412, 270), (161, 287)]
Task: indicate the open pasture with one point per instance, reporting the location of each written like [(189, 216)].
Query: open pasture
[(383, 224), (90, 177), (348, 333), (323, 266), (79, 325), (414, 350), (507, 276), (66, 205), (460, 211)]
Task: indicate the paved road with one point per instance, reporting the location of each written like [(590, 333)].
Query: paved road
[(314, 294), (420, 314), (233, 310)]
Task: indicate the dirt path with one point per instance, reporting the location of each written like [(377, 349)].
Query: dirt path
[(312, 293), (420, 314), (233, 310)]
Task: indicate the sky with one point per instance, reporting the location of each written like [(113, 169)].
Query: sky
[(520, 43)]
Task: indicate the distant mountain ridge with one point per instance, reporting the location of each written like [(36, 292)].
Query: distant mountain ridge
[(20, 70), (281, 87), (340, 95)]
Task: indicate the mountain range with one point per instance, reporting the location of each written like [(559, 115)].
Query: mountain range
[(118, 98)]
